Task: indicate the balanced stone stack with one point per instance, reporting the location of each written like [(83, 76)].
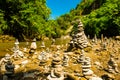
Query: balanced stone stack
[(81, 57), (87, 72), (16, 47), (17, 53), (57, 69), (57, 60), (79, 39), (112, 66), (43, 58), (4, 61), (104, 44), (95, 38), (65, 60), (33, 46), (9, 71), (94, 41)]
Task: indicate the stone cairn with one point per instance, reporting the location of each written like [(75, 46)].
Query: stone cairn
[(86, 65), (4, 61), (94, 41), (33, 47), (65, 60), (16, 47), (112, 66), (87, 72), (57, 69), (17, 53), (79, 39), (43, 56), (95, 38), (81, 57), (104, 43), (9, 74)]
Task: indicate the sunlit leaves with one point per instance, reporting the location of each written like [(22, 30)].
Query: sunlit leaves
[(24, 17), (103, 20)]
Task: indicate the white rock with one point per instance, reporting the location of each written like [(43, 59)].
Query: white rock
[(95, 78), (24, 62)]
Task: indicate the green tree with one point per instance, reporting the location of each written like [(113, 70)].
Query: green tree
[(24, 18), (104, 20)]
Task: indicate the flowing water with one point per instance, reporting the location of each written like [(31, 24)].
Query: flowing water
[(6, 47)]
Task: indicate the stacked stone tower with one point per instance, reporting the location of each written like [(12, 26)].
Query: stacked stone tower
[(57, 69), (79, 39)]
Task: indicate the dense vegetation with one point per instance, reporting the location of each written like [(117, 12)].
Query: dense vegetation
[(23, 18), (98, 16), (30, 18)]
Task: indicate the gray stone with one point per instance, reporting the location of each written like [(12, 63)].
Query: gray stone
[(98, 65), (95, 78), (112, 66), (79, 39), (43, 57), (86, 65), (57, 69), (18, 54), (5, 59), (65, 60), (33, 44), (42, 44), (16, 47), (81, 57)]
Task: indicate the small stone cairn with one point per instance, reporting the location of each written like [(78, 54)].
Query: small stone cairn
[(65, 60), (4, 61), (87, 72), (112, 66), (79, 39), (57, 69), (16, 47), (104, 43), (33, 46), (9, 74), (94, 41), (86, 65), (17, 53), (81, 57), (95, 38), (43, 57)]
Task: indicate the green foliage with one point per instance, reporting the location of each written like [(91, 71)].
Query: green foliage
[(64, 22), (52, 29), (24, 18), (3, 24), (104, 20), (30, 18), (98, 16)]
